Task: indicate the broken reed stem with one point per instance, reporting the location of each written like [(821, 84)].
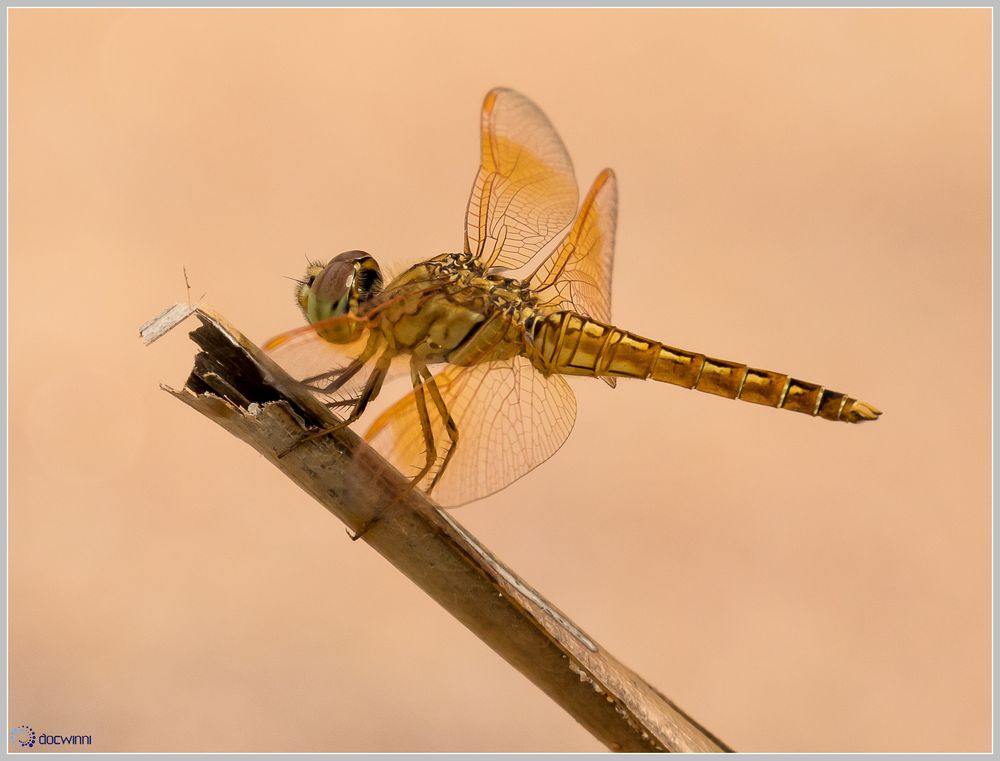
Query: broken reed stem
[(241, 389)]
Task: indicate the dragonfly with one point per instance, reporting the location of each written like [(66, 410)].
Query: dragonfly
[(489, 334)]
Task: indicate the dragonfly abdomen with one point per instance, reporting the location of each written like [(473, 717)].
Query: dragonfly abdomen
[(572, 344)]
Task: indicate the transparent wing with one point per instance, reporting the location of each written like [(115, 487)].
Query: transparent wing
[(305, 355), (577, 276), (525, 192), (510, 419)]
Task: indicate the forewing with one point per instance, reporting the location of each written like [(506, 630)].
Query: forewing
[(510, 419), (525, 192), (577, 276)]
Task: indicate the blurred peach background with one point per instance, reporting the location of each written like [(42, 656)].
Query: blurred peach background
[(807, 191)]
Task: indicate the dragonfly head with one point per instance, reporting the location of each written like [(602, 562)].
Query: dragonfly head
[(339, 288)]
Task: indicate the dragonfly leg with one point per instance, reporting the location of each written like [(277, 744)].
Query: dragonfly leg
[(337, 378), (423, 379), (425, 422), (371, 390), (341, 375), (423, 383), (416, 371), (449, 423), (347, 402)]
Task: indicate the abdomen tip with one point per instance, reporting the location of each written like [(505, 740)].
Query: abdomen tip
[(859, 412)]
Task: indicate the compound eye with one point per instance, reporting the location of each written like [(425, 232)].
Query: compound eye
[(367, 280), (333, 283), (351, 256)]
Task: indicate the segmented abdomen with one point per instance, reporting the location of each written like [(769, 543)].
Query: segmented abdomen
[(571, 344)]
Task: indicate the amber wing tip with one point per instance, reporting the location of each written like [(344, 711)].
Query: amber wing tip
[(859, 412)]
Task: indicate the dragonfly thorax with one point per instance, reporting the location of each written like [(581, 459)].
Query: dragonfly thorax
[(451, 309)]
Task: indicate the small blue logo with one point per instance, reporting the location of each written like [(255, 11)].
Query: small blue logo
[(27, 737), (23, 736)]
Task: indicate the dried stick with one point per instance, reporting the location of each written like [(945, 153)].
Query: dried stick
[(241, 389)]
